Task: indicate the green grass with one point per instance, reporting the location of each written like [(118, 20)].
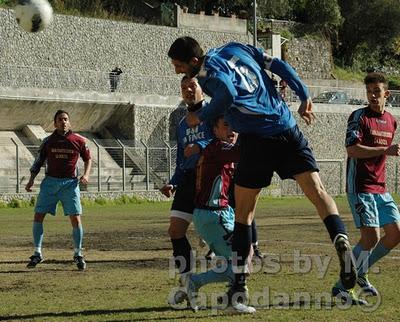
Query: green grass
[(127, 249), (348, 74)]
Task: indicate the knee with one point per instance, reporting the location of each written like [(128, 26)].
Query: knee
[(371, 241), (38, 218), (176, 232), (393, 238)]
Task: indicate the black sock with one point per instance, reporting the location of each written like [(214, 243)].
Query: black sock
[(183, 254), (241, 242), (254, 237), (335, 226)]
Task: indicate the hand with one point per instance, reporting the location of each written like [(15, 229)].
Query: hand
[(84, 180), (191, 149), (305, 111), (192, 119), (29, 185), (393, 150), (168, 190)]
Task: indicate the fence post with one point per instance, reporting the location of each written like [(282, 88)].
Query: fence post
[(169, 160), (98, 166), (16, 164), (123, 163), (341, 178), (147, 166)]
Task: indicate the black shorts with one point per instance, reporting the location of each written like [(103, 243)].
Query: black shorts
[(287, 154), (185, 192)]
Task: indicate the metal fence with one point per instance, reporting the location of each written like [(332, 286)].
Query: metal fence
[(126, 165), (117, 165)]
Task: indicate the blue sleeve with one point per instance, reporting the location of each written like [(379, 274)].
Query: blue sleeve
[(354, 131), (287, 73), (179, 160), (40, 159), (222, 91)]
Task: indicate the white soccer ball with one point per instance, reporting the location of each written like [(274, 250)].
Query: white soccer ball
[(33, 15)]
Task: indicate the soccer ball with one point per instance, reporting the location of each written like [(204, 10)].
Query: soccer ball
[(33, 15)]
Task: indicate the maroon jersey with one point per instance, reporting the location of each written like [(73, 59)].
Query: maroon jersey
[(61, 154), (368, 128), (214, 174)]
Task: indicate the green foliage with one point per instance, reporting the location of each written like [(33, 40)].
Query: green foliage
[(370, 28), (348, 74), (274, 9), (324, 15), (19, 203)]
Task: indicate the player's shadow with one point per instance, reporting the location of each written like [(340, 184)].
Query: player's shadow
[(84, 313)]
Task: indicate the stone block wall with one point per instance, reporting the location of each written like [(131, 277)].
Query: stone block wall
[(78, 53)]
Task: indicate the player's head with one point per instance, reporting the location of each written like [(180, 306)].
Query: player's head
[(191, 91), (61, 122), (186, 54), (377, 90), (223, 131)]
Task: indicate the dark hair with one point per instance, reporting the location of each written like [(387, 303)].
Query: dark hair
[(373, 78), (216, 120), (59, 112), (184, 49)]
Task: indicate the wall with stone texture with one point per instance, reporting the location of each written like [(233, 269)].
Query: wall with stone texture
[(77, 52), (311, 58)]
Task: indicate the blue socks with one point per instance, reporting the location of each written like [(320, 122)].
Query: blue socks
[(77, 236), (241, 243), (37, 237), (377, 253), (361, 257), (335, 226), (211, 276), (366, 259)]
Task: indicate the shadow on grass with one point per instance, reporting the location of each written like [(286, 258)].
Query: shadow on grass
[(84, 313)]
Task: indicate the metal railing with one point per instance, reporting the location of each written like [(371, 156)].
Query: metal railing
[(126, 165), (117, 165)]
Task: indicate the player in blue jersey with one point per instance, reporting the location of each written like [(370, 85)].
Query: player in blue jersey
[(182, 183), (235, 78)]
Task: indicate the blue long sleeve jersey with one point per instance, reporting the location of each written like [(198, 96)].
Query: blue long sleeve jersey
[(234, 77), (202, 135)]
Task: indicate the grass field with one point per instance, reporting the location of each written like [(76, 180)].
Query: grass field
[(127, 250)]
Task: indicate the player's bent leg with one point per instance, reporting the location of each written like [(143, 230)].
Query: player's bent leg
[(314, 190), (311, 184), (246, 201), (77, 236)]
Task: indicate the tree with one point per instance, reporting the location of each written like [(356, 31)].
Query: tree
[(369, 26), (324, 15)]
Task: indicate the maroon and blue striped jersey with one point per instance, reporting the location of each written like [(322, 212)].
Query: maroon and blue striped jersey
[(372, 129), (214, 174), (61, 154)]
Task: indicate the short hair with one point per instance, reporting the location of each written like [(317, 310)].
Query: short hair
[(59, 112), (216, 120), (373, 78), (184, 49)]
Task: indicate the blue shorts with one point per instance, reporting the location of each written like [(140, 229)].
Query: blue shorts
[(286, 153), (215, 227), (373, 209), (53, 190), (183, 203)]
